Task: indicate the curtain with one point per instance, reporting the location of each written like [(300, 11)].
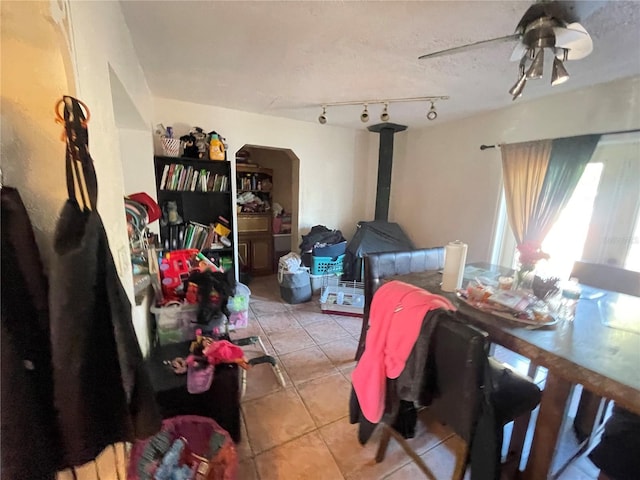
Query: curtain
[(539, 179), (524, 166), (569, 157)]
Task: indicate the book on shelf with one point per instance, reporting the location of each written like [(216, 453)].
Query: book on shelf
[(165, 174), (178, 177)]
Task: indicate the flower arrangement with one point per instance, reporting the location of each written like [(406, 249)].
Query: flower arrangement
[(530, 254)]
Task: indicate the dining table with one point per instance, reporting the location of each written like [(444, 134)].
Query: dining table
[(599, 349)]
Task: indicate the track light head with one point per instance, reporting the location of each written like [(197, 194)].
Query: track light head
[(384, 116), (432, 114), (364, 117), (323, 116)]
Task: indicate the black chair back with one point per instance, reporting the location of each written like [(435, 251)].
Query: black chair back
[(609, 277), (378, 266), (458, 359)]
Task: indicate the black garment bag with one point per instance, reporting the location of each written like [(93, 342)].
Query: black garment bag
[(102, 391)]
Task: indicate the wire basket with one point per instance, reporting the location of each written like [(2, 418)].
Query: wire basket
[(171, 147), (342, 298)]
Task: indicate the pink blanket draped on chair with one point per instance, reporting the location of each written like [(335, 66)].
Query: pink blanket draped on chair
[(397, 312)]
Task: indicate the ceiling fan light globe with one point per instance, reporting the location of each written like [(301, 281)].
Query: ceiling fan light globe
[(518, 87), (537, 66), (559, 74)]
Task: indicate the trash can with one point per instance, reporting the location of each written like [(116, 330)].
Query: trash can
[(295, 287)]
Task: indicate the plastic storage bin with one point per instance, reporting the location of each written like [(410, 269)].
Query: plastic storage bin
[(322, 265), (175, 322), (239, 307), (320, 281), (330, 250)]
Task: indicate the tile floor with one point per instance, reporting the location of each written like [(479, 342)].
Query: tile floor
[(302, 431)]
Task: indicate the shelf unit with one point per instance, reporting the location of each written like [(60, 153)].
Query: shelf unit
[(193, 206), (255, 242)]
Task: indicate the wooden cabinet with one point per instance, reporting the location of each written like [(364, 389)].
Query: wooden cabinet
[(255, 243)]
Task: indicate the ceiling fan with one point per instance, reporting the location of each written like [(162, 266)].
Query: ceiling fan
[(551, 25)]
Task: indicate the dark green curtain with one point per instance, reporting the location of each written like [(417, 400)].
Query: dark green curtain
[(569, 157)]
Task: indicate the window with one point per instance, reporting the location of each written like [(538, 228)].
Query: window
[(601, 222)]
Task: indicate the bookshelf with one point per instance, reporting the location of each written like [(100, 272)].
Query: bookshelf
[(201, 193)]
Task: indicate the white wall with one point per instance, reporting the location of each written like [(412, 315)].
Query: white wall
[(445, 188), (334, 161), (112, 84), (34, 76)]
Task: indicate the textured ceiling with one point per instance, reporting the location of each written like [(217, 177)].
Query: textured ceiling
[(287, 58)]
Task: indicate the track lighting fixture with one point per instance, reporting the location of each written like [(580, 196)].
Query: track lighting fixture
[(364, 117), (432, 114), (384, 115), (323, 116)]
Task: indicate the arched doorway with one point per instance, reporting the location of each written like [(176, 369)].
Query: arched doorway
[(260, 248)]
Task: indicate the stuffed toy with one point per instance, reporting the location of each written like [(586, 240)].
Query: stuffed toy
[(201, 140), (209, 283), (190, 147)]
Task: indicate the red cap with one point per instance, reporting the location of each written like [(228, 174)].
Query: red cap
[(153, 209)]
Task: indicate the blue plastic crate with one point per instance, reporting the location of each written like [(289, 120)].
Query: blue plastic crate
[(322, 265)]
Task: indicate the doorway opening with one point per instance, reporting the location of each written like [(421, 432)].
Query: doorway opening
[(270, 230)]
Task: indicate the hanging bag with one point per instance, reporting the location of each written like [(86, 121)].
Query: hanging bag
[(101, 389)]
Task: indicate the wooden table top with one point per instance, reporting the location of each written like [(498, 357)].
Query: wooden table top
[(587, 351)]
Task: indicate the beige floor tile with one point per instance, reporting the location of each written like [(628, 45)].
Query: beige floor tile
[(440, 460), (305, 458), (243, 448), (326, 398), (260, 307), (290, 341), (262, 380), (247, 470), (357, 461), (307, 364), (278, 322), (323, 332), (307, 317), (275, 419), (353, 325), (347, 370), (341, 352)]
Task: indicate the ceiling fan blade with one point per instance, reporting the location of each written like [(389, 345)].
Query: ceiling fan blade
[(575, 39), (518, 52), (471, 46)]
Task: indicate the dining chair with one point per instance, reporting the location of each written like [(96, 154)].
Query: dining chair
[(471, 393), (378, 266), (608, 277)]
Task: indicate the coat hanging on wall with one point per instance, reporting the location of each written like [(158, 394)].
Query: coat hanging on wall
[(101, 389), (30, 443)]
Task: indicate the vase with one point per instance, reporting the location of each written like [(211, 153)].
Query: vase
[(524, 279)]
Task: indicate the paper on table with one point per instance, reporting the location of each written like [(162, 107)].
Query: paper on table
[(455, 256)]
